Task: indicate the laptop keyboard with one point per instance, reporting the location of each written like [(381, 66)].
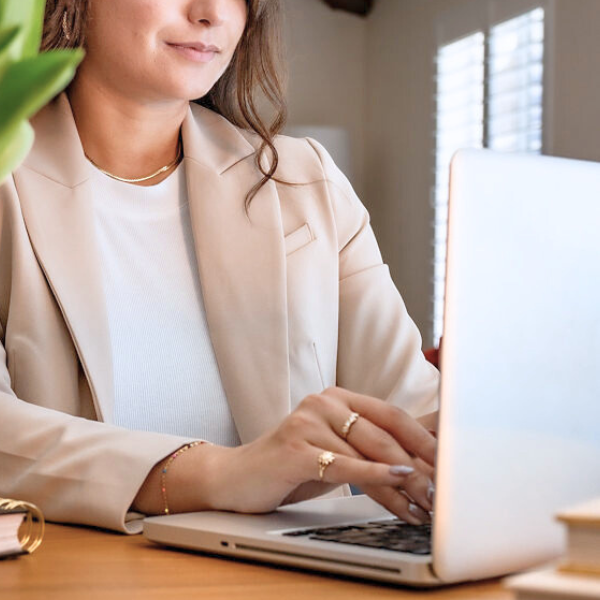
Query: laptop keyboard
[(392, 534)]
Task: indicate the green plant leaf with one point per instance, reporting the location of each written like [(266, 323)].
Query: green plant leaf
[(8, 37), (28, 14), (28, 80), (14, 147), (30, 84)]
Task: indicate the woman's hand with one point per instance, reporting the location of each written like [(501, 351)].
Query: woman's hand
[(386, 452)]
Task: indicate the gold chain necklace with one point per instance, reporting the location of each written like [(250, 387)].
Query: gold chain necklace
[(148, 177)]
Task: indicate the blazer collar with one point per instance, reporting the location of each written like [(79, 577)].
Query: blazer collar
[(241, 258), (209, 139)]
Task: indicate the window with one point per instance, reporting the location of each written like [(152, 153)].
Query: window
[(516, 68), (489, 94)]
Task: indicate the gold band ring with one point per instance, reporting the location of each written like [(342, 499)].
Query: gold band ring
[(349, 422), (325, 459)]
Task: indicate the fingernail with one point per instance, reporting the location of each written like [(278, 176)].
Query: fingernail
[(401, 470), (430, 492), (418, 514)]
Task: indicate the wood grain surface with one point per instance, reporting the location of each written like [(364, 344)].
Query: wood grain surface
[(88, 564)]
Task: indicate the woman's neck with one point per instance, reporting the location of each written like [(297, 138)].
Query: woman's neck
[(125, 136)]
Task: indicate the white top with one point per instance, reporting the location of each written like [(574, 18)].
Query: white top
[(166, 375)]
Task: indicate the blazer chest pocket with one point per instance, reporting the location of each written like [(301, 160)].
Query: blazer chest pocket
[(298, 239)]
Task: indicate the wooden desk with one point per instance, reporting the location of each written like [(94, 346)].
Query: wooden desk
[(85, 564)]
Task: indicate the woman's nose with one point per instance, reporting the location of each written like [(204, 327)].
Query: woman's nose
[(211, 12)]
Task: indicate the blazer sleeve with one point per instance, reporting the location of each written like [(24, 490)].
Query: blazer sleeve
[(76, 470), (379, 345)]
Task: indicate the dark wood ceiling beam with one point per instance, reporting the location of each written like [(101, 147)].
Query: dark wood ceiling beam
[(359, 7)]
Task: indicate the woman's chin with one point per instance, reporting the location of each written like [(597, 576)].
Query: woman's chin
[(177, 93)]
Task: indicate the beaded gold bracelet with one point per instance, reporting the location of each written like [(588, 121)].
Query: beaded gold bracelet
[(163, 474)]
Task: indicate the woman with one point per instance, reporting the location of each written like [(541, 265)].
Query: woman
[(158, 288)]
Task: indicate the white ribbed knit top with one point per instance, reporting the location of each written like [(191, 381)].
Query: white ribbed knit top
[(165, 372)]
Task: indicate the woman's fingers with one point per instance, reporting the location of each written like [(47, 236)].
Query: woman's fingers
[(329, 467), (366, 440), (424, 467), (397, 503), (408, 432)]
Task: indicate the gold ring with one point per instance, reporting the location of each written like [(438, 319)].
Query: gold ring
[(349, 422), (325, 459)]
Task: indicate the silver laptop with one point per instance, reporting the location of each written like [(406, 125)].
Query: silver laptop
[(519, 433)]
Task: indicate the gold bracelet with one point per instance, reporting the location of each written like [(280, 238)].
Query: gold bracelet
[(163, 474)]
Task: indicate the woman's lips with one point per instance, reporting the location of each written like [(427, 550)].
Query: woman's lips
[(195, 52)]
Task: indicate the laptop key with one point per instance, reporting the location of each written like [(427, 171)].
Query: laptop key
[(393, 534)]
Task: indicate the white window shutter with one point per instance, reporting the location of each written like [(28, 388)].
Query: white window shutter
[(489, 94), (459, 124), (515, 73)]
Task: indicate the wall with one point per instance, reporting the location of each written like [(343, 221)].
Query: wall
[(576, 102), (327, 58)]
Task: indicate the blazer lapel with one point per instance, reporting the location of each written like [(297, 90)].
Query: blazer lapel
[(242, 266), (54, 189)]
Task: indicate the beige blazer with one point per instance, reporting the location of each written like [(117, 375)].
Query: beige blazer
[(297, 299)]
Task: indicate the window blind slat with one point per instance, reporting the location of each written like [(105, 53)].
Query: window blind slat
[(511, 103)]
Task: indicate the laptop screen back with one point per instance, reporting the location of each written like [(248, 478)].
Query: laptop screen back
[(520, 362)]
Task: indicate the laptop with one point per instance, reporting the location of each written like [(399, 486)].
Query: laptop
[(519, 430)]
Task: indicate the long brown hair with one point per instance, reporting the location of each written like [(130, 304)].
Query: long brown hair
[(255, 69)]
